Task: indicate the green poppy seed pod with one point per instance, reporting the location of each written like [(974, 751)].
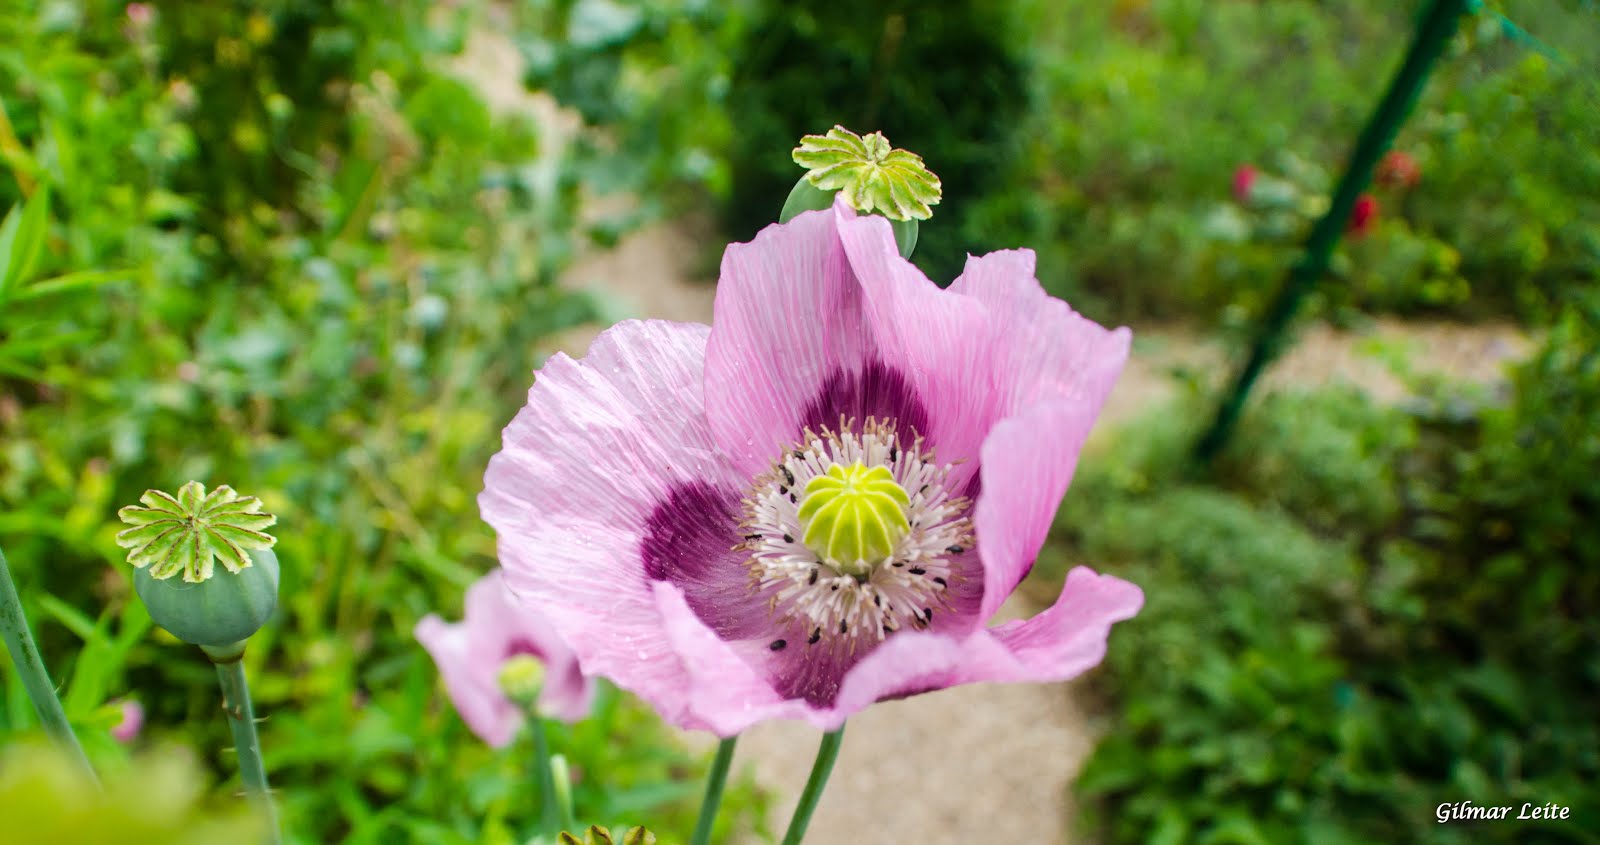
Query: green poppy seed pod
[(221, 610), (597, 835), (809, 197)]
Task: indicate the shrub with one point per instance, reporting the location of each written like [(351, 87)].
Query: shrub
[(1363, 614)]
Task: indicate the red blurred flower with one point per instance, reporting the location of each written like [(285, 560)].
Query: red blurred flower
[(1244, 179), (1399, 170), (140, 14), (1363, 215)]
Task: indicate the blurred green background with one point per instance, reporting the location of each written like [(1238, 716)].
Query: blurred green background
[(284, 245)]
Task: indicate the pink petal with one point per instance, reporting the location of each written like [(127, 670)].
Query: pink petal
[(1060, 643), (993, 347), (600, 445), (1045, 350), (1027, 463), (726, 695), (985, 349), (788, 317), (132, 721), (726, 692), (474, 692)]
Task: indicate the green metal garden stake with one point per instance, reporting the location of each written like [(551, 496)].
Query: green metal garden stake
[(1437, 26), (25, 656)]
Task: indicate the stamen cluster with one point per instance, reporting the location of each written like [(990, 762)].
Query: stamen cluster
[(859, 600)]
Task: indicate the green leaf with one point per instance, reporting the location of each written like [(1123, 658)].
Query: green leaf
[(70, 617), (68, 283), (22, 238)]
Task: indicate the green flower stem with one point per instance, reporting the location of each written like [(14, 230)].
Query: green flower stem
[(25, 656), (549, 810), (820, 770), (229, 661), (715, 781)]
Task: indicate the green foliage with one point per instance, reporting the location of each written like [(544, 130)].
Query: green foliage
[(285, 249), (1105, 135), (718, 93), (1149, 106), (1364, 613), (156, 798)]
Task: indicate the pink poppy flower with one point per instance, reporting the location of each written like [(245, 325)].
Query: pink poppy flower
[(820, 501), (132, 721), (470, 655)]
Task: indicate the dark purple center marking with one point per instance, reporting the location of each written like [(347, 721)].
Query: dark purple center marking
[(876, 391), (689, 542), (519, 647)]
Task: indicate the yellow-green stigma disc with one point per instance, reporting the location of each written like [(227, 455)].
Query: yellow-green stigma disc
[(853, 516), (521, 677)]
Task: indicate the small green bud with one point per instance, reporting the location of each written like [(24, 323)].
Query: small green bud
[(853, 516), (521, 678), (219, 611)]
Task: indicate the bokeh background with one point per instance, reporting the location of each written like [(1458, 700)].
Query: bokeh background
[(315, 250)]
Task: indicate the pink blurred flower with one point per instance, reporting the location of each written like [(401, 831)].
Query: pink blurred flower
[(132, 721), (1363, 215), (1244, 181), (140, 14), (648, 498), (471, 653)]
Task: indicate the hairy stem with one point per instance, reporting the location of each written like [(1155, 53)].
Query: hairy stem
[(25, 656), (715, 781), (827, 752), (236, 703)]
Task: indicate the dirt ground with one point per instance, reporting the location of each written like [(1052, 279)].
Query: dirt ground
[(987, 763)]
